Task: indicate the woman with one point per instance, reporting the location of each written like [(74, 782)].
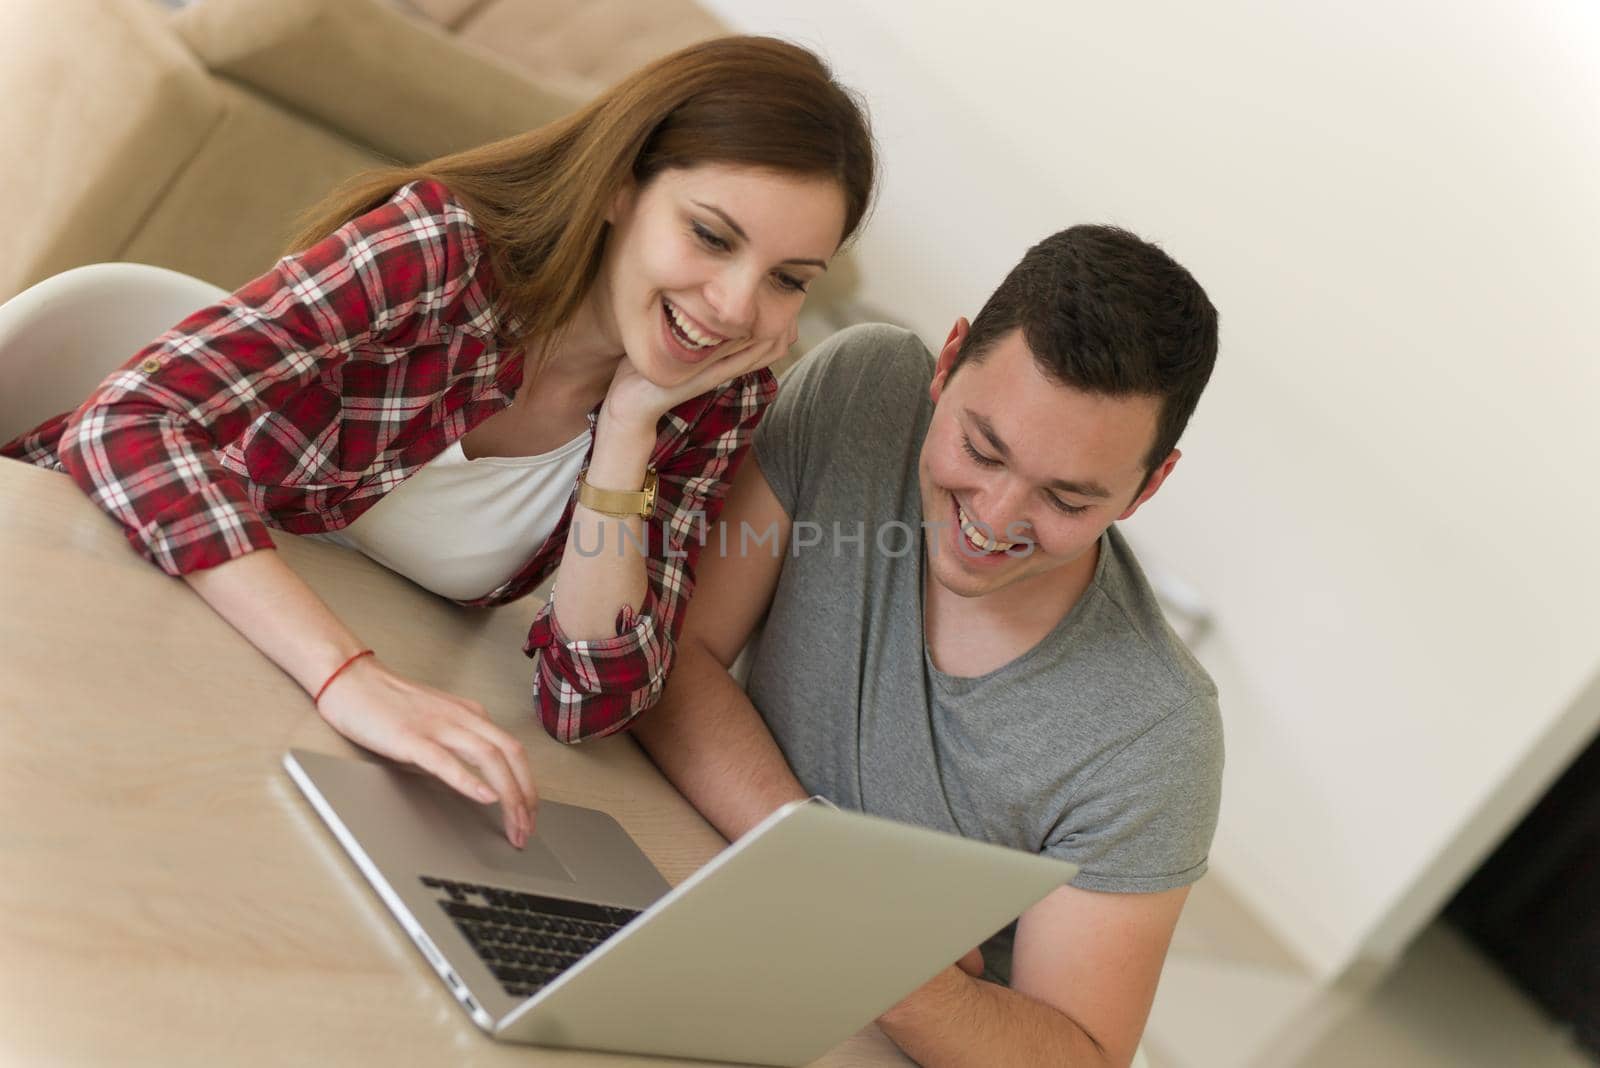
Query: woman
[(449, 347)]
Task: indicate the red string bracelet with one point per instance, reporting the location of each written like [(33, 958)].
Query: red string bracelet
[(337, 672)]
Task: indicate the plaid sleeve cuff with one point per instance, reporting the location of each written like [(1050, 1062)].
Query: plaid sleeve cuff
[(591, 688), (210, 526)]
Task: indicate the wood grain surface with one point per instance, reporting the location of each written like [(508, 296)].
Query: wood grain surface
[(166, 895)]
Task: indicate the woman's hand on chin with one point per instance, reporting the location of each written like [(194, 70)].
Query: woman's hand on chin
[(636, 402)]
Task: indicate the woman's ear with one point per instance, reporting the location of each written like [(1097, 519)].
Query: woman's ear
[(622, 203)]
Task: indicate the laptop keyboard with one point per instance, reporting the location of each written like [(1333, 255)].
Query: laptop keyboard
[(525, 939)]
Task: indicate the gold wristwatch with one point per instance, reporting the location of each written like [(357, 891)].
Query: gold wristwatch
[(621, 504)]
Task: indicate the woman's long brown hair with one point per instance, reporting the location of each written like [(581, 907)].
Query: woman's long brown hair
[(540, 198)]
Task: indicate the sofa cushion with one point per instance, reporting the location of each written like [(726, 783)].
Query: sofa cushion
[(584, 46), (446, 13), (368, 72), (228, 216), (104, 106)]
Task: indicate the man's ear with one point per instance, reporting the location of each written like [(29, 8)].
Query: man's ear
[(1153, 483), (947, 357)]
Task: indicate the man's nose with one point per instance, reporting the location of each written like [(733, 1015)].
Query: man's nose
[(1003, 508)]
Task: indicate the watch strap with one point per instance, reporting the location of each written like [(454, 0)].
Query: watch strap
[(620, 504)]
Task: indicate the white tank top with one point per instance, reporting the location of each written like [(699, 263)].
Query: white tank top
[(462, 528)]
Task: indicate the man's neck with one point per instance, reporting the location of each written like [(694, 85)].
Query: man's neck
[(971, 636)]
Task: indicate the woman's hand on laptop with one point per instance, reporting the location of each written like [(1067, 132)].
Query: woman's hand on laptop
[(449, 737)]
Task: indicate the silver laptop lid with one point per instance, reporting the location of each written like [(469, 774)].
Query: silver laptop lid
[(788, 942), (782, 946)]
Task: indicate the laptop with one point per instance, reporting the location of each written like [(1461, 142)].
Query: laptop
[(783, 945)]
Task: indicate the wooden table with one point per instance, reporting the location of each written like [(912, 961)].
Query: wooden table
[(166, 894)]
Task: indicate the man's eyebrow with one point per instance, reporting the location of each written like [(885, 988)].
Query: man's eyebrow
[(736, 228), (1081, 489)]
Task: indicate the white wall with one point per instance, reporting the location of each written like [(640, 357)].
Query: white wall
[(1388, 496)]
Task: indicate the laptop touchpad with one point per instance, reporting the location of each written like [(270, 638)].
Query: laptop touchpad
[(486, 839), (440, 815)]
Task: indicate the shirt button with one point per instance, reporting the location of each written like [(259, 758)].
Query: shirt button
[(150, 366)]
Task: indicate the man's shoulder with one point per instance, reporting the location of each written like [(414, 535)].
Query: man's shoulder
[(1113, 671), (1139, 624), (861, 394), (1130, 756), (864, 363), (883, 340)]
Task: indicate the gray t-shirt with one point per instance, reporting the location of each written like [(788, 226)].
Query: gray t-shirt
[(1102, 745)]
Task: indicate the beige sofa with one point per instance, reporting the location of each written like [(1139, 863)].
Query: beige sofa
[(192, 139), (576, 47)]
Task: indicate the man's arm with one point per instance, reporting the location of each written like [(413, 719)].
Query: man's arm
[(1085, 965), (1083, 974), (704, 734)]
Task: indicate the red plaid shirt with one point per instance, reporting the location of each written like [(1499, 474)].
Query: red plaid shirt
[(303, 398)]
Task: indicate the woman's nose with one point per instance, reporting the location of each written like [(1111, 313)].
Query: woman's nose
[(732, 296)]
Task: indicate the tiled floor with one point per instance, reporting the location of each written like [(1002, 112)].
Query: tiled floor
[(1231, 997)]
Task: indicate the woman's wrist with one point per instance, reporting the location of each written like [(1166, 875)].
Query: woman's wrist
[(631, 421), (279, 614), (621, 454), (316, 698)]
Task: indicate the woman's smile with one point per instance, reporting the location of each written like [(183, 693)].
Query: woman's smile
[(689, 341)]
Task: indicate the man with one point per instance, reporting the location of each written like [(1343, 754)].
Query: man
[(957, 637)]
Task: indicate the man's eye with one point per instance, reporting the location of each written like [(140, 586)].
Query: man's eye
[(1064, 508), (978, 457), (709, 239)]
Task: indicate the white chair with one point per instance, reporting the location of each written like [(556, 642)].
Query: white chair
[(59, 339)]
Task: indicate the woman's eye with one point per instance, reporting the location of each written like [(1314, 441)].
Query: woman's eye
[(978, 457), (789, 282), (709, 239)]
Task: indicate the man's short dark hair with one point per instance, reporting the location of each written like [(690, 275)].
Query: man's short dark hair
[(1107, 312)]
